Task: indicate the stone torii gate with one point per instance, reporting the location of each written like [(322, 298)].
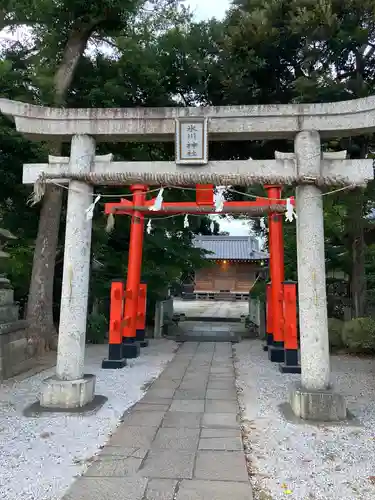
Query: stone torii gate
[(307, 168)]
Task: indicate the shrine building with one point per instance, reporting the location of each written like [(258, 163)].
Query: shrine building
[(236, 262)]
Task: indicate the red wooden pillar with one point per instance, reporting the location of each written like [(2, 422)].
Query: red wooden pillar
[(290, 364), (276, 247), (115, 356), (141, 317), (130, 348)]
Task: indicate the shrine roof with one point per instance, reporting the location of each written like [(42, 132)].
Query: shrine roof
[(244, 248)]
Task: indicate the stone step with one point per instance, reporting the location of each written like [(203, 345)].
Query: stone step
[(211, 319), (204, 336)]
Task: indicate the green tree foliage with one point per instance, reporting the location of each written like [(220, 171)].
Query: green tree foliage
[(132, 53)]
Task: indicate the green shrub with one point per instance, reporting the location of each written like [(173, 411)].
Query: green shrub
[(359, 335), (97, 328), (335, 327)]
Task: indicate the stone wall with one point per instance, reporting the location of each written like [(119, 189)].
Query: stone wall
[(14, 356)]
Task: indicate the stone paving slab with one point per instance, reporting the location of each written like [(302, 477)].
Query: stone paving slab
[(161, 393), (115, 488), (227, 394), (176, 438), (218, 433), (161, 489), (174, 464), (198, 393), (110, 466), (213, 490), (191, 420), (153, 399), (221, 443), (221, 466), (110, 452), (182, 441), (221, 420), (188, 405), (150, 407), (133, 437), (221, 406), (144, 418)]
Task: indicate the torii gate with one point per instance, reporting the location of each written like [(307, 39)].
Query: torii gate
[(123, 328), (307, 168)]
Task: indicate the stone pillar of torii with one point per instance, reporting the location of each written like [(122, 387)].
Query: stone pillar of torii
[(308, 168)]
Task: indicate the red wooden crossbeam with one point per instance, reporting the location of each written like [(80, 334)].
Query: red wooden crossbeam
[(125, 207)]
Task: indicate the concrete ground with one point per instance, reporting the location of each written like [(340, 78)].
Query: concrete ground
[(182, 441), (211, 308)]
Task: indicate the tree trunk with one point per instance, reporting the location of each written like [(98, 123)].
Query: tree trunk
[(42, 331), (358, 283)]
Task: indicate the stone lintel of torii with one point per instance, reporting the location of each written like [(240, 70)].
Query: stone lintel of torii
[(226, 123), (282, 170), (309, 168)]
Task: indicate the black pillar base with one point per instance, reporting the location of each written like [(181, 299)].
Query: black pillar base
[(290, 364), (130, 348), (289, 369), (140, 337), (115, 358), (276, 352), (113, 364), (269, 342)]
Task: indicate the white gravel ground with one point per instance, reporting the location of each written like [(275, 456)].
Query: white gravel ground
[(39, 457), (307, 462)]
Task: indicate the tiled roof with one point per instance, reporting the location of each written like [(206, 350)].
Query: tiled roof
[(230, 247)]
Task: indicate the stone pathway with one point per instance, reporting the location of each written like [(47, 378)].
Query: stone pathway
[(182, 441)]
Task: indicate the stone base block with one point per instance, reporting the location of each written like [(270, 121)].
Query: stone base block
[(130, 350), (269, 342), (276, 354), (67, 394), (322, 406), (291, 362), (289, 368), (141, 338), (113, 364)]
